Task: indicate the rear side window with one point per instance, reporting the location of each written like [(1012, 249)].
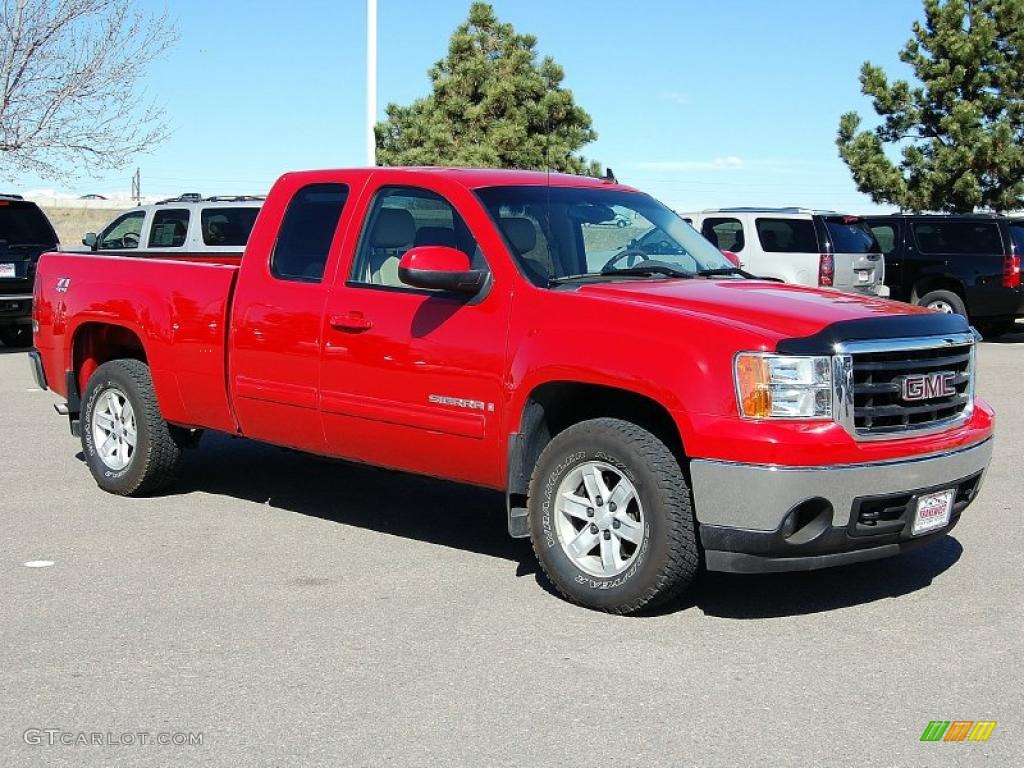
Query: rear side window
[(1017, 235), (958, 237), (227, 226), (24, 224), (724, 234), (169, 228), (887, 236), (307, 229), (787, 235), (850, 234)]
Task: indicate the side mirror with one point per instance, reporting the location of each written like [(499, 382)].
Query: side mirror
[(89, 239), (440, 267)]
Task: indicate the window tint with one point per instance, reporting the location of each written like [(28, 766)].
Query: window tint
[(24, 224), (787, 235), (169, 228), (850, 234), (227, 226), (1017, 234), (724, 234), (307, 229), (404, 217), (958, 237), (887, 237), (123, 233)]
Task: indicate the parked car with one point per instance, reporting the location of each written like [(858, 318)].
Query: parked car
[(799, 245), (187, 227), (92, 196), (25, 233), (643, 412), (969, 265)]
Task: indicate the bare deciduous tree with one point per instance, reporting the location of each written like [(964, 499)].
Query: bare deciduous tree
[(70, 99)]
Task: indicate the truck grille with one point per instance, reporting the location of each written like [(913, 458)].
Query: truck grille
[(911, 389)]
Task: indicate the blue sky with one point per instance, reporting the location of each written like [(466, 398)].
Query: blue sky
[(701, 104)]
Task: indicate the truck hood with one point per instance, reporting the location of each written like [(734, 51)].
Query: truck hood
[(775, 310)]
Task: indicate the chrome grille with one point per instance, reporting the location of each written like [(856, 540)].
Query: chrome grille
[(882, 408)]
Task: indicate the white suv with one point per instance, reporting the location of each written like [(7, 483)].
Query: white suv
[(798, 245), (185, 226)]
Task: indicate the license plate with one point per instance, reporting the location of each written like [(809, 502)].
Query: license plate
[(933, 512), (7, 270), (863, 276)]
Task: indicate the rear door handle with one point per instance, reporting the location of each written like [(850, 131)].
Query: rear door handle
[(351, 321)]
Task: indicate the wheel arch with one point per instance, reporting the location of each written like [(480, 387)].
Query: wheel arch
[(928, 283), (552, 407)]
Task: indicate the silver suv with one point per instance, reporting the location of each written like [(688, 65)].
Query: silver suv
[(188, 225), (799, 245)]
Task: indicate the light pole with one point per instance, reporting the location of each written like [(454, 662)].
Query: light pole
[(371, 81)]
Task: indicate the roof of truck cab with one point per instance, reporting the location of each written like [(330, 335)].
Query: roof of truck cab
[(475, 178)]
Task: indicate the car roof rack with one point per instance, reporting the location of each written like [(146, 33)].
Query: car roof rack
[(11, 195), (765, 209), (233, 198)]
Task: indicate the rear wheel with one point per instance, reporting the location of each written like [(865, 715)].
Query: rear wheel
[(130, 449), (611, 518), (16, 335), (943, 301)]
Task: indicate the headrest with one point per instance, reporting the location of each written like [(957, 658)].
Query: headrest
[(520, 232), (435, 236), (394, 228)]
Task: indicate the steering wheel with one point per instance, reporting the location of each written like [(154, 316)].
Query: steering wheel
[(631, 255), (130, 240)]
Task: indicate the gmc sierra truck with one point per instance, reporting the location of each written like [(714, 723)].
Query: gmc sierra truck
[(646, 406)]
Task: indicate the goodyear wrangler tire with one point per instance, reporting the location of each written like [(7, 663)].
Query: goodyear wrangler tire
[(611, 518), (130, 449)]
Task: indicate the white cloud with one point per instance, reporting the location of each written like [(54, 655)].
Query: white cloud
[(726, 163)]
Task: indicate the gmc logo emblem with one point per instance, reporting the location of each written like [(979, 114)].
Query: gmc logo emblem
[(926, 386)]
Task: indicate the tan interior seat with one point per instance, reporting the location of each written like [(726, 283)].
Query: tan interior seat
[(393, 234)]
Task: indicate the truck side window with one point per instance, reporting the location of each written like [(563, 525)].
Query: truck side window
[(401, 218), (724, 234), (169, 228), (307, 229), (123, 233)]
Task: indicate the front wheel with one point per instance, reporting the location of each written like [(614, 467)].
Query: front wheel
[(130, 449), (611, 518)]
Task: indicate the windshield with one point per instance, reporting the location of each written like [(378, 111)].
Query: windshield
[(563, 232), (851, 234), (24, 224)]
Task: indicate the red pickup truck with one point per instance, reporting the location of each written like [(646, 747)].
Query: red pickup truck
[(647, 406)]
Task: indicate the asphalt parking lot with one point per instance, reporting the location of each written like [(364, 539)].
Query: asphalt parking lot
[(299, 612)]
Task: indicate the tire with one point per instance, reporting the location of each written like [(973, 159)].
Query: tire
[(943, 301), (653, 549), (133, 470), (16, 336)]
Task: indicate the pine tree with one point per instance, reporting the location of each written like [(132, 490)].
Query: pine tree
[(960, 128), (493, 106)]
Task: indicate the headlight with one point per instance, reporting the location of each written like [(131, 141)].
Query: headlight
[(783, 386)]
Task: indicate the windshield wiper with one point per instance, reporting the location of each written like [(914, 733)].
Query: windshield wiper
[(727, 271), (648, 271)]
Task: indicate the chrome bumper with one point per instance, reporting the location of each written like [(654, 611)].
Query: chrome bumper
[(758, 497)]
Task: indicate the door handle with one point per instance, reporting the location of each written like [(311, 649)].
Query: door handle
[(351, 321)]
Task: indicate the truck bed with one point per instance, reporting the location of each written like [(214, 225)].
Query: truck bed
[(177, 308)]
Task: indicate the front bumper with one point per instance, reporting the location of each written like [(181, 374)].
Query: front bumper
[(772, 518)]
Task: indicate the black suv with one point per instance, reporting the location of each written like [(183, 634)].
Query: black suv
[(25, 234), (968, 264)]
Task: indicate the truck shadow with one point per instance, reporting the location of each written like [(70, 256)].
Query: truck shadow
[(473, 519)]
